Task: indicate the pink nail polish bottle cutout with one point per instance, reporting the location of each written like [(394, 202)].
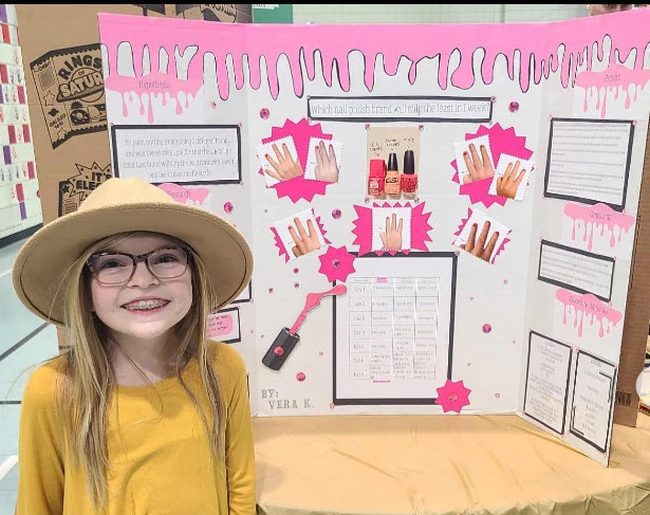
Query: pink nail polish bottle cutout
[(376, 178), (392, 181), (409, 177)]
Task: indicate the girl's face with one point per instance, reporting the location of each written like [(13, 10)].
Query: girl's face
[(145, 307)]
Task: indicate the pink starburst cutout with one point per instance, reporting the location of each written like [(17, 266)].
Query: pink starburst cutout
[(301, 132), (502, 141), (420, 228), (453, 396), (336, 264)]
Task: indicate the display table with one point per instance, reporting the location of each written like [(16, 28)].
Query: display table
[(442, 465)]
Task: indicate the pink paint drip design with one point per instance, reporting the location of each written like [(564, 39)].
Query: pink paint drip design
[(336, 264), (301, 133), (420, 228), (498, 251), (283, 251), (453, 396), (530, 47), (502, 141), (183, 194), (614, 80), (587, 307), (599, 216), (159, 86)]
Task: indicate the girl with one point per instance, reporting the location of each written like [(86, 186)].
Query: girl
[(142, 414)]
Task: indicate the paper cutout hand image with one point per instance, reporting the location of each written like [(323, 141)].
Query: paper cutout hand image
[(478, 167), (284, 166), (508, 184), (478, 247), (326, 168), (305, 241), (391, 237)]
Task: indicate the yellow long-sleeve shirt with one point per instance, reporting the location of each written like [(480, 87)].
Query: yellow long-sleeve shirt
[(159, 455)]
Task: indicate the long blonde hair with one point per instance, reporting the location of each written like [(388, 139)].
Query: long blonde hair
[(87, 382)]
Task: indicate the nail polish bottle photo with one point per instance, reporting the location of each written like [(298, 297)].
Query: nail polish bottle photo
[(376, 177), (392, 182), (409, 177)]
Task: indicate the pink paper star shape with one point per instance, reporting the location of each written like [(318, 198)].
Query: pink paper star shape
[(336, 264), (453, 396)]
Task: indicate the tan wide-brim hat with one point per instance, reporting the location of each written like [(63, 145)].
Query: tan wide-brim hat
[(124, 205)]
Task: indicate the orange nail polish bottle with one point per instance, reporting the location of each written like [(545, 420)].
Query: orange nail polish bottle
[(392, 181)]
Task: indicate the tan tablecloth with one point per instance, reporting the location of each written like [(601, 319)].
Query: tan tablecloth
[(442, 465)]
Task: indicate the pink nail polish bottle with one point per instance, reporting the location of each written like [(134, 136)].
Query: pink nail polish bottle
[(409, 177), (376, 178)]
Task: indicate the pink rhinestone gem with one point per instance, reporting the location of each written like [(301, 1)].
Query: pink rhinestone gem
[(513, 107), (487, 328), (296, 285), (300, 376), (336, 213), (296, 270), (278, 351), (336, 263), (228, 207), (270, 290), (265, 113)]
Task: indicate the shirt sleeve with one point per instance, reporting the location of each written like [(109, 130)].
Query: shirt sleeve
[(40, 462), (240, 453)]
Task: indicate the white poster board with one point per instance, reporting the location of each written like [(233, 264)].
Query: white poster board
[(432, 233)]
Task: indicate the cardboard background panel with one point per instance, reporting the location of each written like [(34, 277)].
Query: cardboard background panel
[(47, 41), (637, 316)]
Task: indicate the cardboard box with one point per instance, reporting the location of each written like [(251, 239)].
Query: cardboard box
[(637, 311)]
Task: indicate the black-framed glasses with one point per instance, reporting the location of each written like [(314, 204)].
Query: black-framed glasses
[(113, 268)]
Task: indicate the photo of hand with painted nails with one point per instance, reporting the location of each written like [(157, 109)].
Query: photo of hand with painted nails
[(323, 160), (391, 236), (391, 228), (474, 160), (508, 184), (511, 177), (478, 246), (482, 236), (299, 234), (305, 240), (279, 160)]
